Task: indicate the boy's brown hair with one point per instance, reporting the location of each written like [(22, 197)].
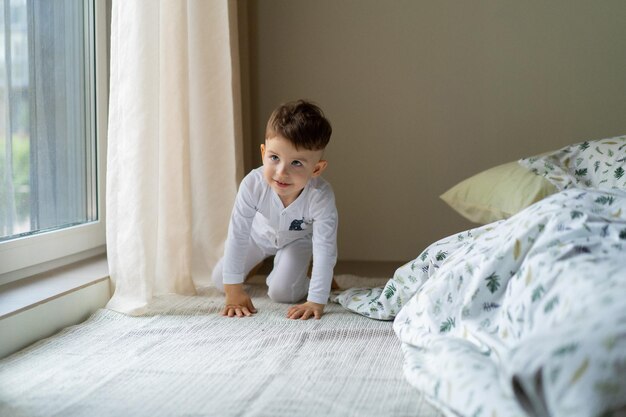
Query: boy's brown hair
[(302, 123)]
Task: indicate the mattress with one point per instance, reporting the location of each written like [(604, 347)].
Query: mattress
[(183, 359)]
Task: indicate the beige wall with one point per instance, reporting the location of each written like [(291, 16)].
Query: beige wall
[(422, 94)]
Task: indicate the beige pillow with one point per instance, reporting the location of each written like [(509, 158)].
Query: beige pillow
[(497, 193)]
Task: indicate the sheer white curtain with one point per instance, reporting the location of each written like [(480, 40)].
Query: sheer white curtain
[(173, 150)]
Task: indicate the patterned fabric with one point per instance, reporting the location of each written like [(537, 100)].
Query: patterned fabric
[(599, 164), (526, 315)]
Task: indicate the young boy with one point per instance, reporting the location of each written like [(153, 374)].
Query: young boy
[(284, 208)]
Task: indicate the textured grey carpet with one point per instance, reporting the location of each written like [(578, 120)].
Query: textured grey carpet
[(184, 359)]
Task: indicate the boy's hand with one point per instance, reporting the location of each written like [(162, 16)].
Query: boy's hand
[(238, 302), (306, 310)]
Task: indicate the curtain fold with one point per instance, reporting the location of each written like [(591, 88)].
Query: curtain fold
[(173, 162)]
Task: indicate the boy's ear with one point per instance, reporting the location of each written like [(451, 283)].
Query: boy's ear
[(262, 151), (320, 167)]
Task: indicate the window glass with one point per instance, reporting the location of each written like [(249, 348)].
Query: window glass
[(47, 145)]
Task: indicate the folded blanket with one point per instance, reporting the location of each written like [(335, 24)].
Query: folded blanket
[(522, 316)]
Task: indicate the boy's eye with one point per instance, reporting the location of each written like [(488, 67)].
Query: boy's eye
[(273, 158), (296, 163)]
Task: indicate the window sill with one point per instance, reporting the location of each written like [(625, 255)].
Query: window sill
[(18, 296), (37, 307)]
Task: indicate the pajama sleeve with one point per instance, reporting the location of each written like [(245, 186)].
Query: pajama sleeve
[(325, 220), (239, 230)]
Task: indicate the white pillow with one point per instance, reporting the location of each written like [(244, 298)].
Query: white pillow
[(597, 164)]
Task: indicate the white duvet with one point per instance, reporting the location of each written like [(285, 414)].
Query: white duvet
[(526, 316)]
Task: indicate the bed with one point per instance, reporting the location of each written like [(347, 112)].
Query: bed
[(521, 316), (525, 315)]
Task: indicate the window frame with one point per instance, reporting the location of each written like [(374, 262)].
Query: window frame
[(29, 255)]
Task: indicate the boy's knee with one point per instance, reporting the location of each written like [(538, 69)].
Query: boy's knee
[(280, 295)]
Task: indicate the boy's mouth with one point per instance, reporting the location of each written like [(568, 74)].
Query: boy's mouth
[(281, 184)]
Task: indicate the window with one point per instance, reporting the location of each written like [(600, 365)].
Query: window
[(52, 123)]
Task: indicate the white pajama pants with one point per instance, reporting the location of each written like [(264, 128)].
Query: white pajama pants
[(288, 281)]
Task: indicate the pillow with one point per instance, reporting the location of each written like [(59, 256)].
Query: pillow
[(497, 193), (598, 164)]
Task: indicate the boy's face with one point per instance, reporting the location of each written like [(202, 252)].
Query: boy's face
[(287, 169)]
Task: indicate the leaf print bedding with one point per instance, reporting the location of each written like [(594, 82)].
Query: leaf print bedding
[(525, 316)]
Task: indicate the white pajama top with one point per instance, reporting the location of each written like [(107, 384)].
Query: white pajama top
[(259, 213)]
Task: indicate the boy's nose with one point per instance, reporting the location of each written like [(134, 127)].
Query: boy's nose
[(281, 169)]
